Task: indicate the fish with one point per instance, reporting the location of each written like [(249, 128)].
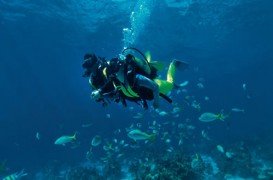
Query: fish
[(185, 83), (205, 135), (196, 105), (176, 115), (65, 139), (154, 131), (138, 125), (161, 113), (244, 86), (120, 155), (206, 98), (121, 142), (209, 117), (178, 91), (237, 110), (117, 131), (176, 110), (86, 125), (138, 116), (220, 148), (229, 154), (180, 142), (96, 140), (200, 85), (108, 147), (38, 136), (170, 150), (136, 134), (190, 127), (108, 116)]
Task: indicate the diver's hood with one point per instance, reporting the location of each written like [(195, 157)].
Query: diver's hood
[(89, 61)]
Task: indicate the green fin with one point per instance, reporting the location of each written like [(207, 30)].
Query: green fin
[(74, 136), (152, 137), (221, 116), (158, 65), (164, 86)]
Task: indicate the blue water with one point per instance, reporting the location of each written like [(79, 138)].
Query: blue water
[(42, 44)]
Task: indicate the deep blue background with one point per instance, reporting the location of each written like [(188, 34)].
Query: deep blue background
[(42, 89)]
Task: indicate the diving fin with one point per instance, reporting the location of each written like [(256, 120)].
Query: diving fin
[(148, 56), (157, 65), (180, 65)]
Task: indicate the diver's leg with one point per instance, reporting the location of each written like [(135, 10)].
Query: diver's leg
[(148, 83)]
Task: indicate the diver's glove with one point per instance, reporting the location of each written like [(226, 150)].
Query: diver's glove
[(96, 94)]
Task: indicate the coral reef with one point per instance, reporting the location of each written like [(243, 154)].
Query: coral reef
[(112, 170), (83, 173), (164, 167)]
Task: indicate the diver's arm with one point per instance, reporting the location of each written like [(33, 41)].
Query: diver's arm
[(106, 91)]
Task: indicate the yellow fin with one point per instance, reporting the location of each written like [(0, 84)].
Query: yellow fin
[(164, 86), (158, 65), (152, 137), (74, 136), (148, 56), (221, 116)]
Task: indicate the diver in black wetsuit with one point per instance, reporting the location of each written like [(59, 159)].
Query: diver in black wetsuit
[(128, 79), (102, 77)]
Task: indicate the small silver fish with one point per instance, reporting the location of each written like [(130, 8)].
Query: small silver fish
[(162, 113), (180, 142), (237, 110), (200, 85), (38, 136), (86, 125), (65, 139), (185, 83), (229, 154), (206, 98), (96, 140), (167, 141), (139, 135), (220, 148), (138, 116), (121, 142), (244, 86), (205, 135)]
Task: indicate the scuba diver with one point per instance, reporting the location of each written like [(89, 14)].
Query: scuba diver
[(129, 78)]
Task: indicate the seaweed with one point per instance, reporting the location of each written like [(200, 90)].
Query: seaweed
[(83, 173)]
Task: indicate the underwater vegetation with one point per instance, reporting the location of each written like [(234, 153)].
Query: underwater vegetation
[(112, 170), (83, 173)]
